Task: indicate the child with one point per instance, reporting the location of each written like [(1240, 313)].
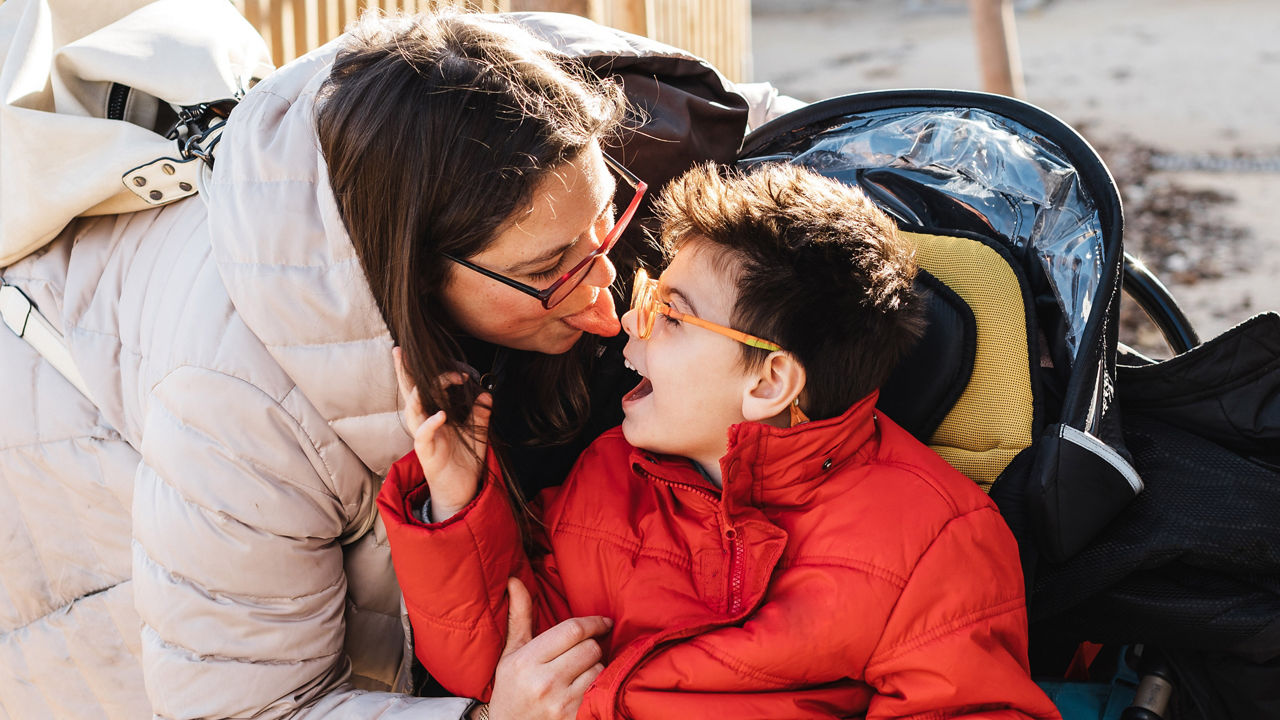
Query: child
[(756, 563)]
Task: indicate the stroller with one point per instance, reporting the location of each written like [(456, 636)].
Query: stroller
[(1143, 494)]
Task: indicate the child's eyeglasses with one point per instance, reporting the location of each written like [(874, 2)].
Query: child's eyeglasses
[(647, 306), (560, 289)]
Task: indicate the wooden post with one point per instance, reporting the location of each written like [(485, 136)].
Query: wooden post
[(586, 8), (629, 16), (997, 42), (718, 30)]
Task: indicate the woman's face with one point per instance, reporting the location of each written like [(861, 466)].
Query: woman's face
[(571, 213)]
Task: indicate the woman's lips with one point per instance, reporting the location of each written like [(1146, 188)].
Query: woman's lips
[(598, 318)]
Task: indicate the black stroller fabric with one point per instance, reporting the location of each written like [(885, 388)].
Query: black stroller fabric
[(1193, 564), (1194, 561)]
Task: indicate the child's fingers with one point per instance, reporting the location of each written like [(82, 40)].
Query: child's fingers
[(413, 414), (402, 377), (432, 450), (481, 411), (451, 378), (409, 397)]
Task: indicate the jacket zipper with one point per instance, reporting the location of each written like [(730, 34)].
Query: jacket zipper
[(737, 579), (684, 486), (737, 549), (117, 98), (737, 571)]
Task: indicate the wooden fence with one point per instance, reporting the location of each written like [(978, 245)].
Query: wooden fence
[(718, 30)]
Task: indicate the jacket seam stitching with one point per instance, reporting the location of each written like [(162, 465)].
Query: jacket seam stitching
[(966, 621), (871, 569), (914, 567), (280, 265), (484, 571), (253, 464), (58, 440), (635, 548), (739, 665), (231, 658), (225, 595), (928, 480), (278, 402), (64, 606)]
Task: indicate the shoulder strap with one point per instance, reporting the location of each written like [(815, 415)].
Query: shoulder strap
[(24, 319)]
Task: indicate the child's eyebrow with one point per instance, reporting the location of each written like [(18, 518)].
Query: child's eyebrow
[(675, 293)]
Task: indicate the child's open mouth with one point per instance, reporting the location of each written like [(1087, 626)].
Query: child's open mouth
[(639, 391)]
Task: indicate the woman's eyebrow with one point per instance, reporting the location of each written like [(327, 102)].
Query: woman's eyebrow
[(556, 251), (541, 259)]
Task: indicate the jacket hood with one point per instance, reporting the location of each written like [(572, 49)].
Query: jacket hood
[(289, 267)]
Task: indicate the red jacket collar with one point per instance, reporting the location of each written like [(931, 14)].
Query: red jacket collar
[(769, 466)]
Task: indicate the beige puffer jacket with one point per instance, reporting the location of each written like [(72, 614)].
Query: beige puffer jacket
[(246, 408)]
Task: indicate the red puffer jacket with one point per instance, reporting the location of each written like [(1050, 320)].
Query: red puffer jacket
[(845, 570)]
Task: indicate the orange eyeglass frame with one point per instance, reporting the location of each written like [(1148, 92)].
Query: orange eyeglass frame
[(644, 300)]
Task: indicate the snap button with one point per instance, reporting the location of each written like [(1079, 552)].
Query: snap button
[(139, 181), (156, 195), (184, 186), (168, 169), (826, 465)]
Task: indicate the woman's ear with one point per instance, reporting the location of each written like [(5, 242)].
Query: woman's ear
[(772, 388)]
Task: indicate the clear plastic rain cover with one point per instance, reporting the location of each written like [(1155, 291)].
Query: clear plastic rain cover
[(999, 178)]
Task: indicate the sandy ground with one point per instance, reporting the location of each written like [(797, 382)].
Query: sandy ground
[(1181, 98)]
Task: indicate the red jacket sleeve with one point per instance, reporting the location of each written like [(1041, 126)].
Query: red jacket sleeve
[(956, 642), (453, 575)]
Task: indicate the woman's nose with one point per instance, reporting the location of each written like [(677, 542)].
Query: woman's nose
[(602, 273)]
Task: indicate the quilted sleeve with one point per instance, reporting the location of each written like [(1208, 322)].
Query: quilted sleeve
[(454, 576), (238, 573), (955, 644)]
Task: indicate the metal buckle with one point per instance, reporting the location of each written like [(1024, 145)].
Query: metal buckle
[(199, 128)]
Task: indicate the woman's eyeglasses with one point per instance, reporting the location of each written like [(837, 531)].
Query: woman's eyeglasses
[(560, 289), (647, 306)]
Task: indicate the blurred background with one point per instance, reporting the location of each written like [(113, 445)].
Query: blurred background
[(1180, 97)]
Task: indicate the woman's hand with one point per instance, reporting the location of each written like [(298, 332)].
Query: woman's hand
[(452, 461), (544, 678)]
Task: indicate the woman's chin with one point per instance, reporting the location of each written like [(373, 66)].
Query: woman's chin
[(566, 345), (549, 343)]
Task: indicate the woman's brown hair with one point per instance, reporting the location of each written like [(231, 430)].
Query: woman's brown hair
[(436, 129)]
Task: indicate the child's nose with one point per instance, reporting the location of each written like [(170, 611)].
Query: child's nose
[(629, 324)]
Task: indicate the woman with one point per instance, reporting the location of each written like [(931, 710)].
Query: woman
[(206, 523)]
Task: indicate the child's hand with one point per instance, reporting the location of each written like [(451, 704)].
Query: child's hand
[(451, 461)]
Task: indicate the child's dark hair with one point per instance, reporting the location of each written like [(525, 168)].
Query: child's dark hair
[(819, 269)]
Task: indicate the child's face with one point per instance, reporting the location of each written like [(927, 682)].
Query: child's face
[(694, 380)]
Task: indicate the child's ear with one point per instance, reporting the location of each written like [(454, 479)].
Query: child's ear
[(773, 387)]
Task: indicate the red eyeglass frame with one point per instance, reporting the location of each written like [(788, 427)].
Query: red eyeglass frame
[(549, 297)]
